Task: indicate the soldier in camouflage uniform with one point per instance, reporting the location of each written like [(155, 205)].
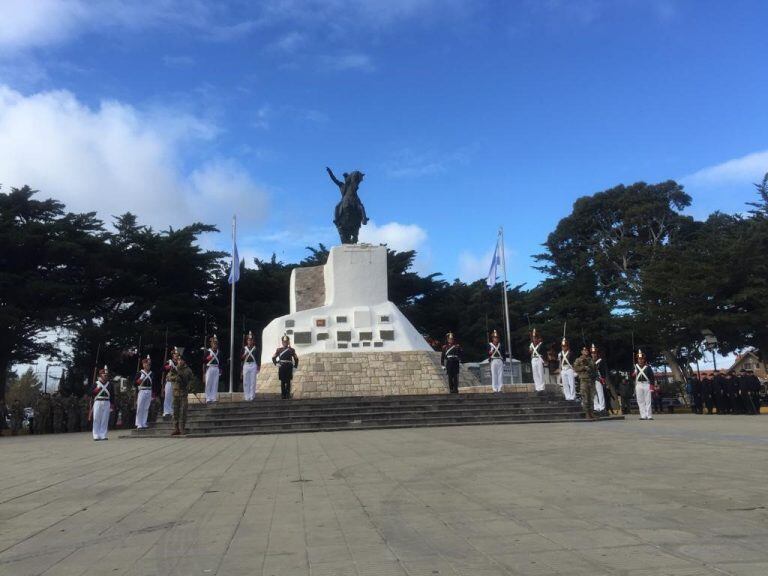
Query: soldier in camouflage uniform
[(73, 414), (44, 414), (181, 378), (85, 412), (57, 410), (17, 417), (586, 371)]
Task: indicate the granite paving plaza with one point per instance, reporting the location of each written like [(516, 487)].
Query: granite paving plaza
[(682, 495)]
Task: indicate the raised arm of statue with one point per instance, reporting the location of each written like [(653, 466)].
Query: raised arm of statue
[(336, 180)]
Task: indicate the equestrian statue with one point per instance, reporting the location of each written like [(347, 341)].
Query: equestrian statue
[(350, 212)]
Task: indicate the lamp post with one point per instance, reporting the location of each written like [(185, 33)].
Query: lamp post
[(710, 343), (45, 384)]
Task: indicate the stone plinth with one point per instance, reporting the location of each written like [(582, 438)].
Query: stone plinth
[(343, 306), (336, 374)]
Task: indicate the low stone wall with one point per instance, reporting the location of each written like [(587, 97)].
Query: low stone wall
[(334, 374)]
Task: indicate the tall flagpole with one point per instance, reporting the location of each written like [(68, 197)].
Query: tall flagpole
[(232, 307), (504, 288)]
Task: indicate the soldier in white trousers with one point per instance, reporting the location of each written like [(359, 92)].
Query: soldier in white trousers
[(168, 386), (536, 349), (496, 359), (212, 371), (103, 395), (250, 368), (599, 401), (644, 378), (567, 375), (144, 392)]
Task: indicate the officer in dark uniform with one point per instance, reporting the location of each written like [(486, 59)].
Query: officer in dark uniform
[(285, 357), (708, 393), (729, 393), (718, 391), (696, 394), (451, 361), (754, 391), (626, 389)]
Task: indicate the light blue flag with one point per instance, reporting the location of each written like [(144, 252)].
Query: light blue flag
[(234, 273), (491, 280)]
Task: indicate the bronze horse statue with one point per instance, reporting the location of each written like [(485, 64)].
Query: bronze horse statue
[(350, 212)]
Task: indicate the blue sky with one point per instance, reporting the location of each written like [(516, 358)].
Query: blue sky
[(464, 115)]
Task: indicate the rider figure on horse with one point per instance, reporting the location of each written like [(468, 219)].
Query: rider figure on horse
[(350, 212)]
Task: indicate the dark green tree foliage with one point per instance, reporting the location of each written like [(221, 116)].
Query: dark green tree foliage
[(143, 284), (43, 265), (624, 266), (615, 234)]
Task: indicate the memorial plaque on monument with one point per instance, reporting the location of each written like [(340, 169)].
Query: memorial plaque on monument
[(387, 334), (343, 335), (366, 335), (341, 319), (322, 336), (302, 338)]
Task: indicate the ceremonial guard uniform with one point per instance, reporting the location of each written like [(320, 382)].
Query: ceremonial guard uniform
[(567, 375), (600, 381), (585, 368), (103, 394), (181, 379), (250, 368), (287, 360), (536, 348), (144, 392), (212, 371), (644, 378), (451, 362), (496, 358), (168, 388)]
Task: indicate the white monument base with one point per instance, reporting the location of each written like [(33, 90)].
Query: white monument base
[(343, 307), (350, 339)]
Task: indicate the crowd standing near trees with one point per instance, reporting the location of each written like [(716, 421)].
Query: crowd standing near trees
[(627, 265)]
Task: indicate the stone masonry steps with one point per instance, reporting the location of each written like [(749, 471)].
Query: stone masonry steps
[(370, 416), (270, 416)]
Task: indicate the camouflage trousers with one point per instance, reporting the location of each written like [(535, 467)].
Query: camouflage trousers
[(587, 395), (180, 410)]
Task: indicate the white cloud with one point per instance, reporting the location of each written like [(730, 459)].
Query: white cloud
[(344, 62), (396, 236), (35, 23), (410, 163), (39, 22), (178, 61), (740, 171), (473, 267), (115, 158)]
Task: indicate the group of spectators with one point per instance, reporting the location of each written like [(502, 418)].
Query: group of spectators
[(56, 413), (725, 393)]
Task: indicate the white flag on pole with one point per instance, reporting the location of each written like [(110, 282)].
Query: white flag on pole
[(492, 275), (234, 272)]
